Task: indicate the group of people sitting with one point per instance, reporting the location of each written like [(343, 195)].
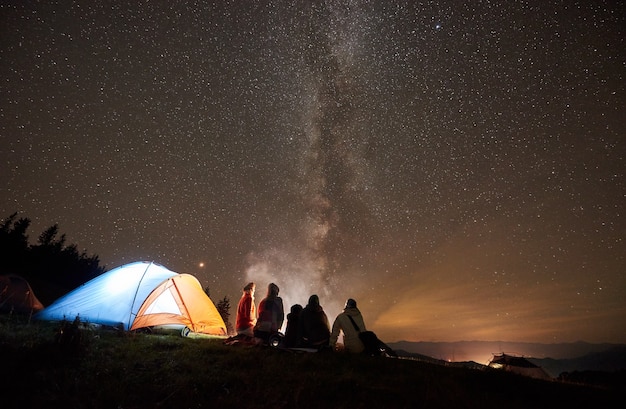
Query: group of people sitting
[(307, 327)]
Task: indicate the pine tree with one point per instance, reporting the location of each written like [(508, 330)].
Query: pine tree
[(52, 266), (223, 307)]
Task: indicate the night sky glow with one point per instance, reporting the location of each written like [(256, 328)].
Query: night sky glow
[(456, 167)]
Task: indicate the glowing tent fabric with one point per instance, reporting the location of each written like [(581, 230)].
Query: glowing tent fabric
[(117, 298), (113, 298), (180, 300)]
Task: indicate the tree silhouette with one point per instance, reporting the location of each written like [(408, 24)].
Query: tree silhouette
[(52, 267), (13, 244), (223, 307)]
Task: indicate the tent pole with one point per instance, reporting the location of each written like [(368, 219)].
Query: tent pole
[(131, 316)]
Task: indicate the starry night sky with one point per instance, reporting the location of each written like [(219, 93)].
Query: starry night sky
[(456, 167)]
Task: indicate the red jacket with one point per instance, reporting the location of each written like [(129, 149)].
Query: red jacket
[(246, 313), (271, 315)]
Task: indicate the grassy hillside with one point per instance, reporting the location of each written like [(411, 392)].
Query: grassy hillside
[(108, 369)]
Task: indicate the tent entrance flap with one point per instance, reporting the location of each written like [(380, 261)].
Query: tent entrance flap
[(164, 303), (180, 300)]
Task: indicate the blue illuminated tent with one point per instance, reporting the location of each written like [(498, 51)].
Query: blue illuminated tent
[(139, 295), (113, 298)]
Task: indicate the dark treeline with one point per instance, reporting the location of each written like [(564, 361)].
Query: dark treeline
[(52, 266), (223, 307)]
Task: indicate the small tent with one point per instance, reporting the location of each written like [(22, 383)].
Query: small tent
[(139, 295), (518, 365), (16, 295)]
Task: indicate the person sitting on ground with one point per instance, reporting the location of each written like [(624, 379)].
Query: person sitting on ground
[(291, 332), (351, 341), (271, 314), (313, 327), (246, 312)]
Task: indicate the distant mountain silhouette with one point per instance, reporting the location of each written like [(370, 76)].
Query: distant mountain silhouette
[(599, 365), (576, 355), (610, 360), (424, 358)]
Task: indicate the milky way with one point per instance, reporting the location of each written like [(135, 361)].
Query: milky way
[(458, 168)]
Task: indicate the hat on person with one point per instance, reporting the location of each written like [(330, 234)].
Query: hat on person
[(272, 290), (350, 303)]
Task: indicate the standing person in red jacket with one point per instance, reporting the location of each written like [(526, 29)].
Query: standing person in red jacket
[(246, 312)]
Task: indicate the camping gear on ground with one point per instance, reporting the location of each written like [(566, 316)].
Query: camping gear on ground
[(373, 345), (276, 339), (140, 295), (16, 295)]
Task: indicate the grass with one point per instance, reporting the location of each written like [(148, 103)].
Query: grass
[(112, 369)]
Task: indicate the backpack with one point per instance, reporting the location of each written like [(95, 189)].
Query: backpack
[(373, 345)]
